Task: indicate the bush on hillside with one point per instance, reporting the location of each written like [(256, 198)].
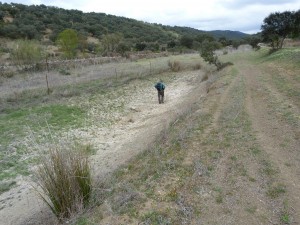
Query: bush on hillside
[(27, 53)]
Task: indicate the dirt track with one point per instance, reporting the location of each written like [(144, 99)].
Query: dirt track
[(253, 145), (276, 135)]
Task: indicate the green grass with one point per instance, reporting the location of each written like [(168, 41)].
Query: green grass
[(56, 116), (15, 125), (5, 186), (219, 197), (281, 107), (268, 168), (285, 86), (276, 190), (285, 218), (288, 55), (12, 166), (82, 221), (251, 209), (285, 215), (156, 218)]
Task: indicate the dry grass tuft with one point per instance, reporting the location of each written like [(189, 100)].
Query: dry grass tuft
[(64, 178), (175, 66), (205, 77), (197, 66)]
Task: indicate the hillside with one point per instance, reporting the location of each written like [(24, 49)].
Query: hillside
[(232, 35), (38, 21)]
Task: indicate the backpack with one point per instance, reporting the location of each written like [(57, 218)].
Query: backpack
[(160, 86)]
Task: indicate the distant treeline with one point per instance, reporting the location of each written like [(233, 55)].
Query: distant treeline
[(37, 21)]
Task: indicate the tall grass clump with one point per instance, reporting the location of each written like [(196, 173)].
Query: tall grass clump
[(27, 54), (64, 182), (175, 66)]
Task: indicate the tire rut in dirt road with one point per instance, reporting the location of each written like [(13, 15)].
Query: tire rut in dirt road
[(276, 136), (223, 100), (231, 187)]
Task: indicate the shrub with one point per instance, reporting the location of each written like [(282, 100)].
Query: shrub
[(174, 66), (64, 179), (197, 66), (64, 72), (205, 77), (207, 53), (27, 54), (68, 42), (223, 65)]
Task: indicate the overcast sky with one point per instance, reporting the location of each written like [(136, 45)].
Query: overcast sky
[(237, 15)]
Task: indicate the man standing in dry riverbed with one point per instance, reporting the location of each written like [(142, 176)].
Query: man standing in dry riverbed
[(160, 87)]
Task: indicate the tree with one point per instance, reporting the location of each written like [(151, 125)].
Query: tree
[(68, 41), (224, 41), (123, 48), (140, 46), (187, 41), (29, 32), (171, 44), (2, 14), (296, 32), (254, 41), (10, 31), (82, 43), (110, 42), (207, 53), (277, 26), (205, 36)]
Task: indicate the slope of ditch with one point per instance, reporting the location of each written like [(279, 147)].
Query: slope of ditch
[(132, 130)]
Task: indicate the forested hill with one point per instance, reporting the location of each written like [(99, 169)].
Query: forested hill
[(36, 21), (232, 35)]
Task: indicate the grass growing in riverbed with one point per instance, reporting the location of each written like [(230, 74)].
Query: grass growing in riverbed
[(64, 177), (18, 124)]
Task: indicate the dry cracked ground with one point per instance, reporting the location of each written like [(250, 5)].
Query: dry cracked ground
[(235, 158)]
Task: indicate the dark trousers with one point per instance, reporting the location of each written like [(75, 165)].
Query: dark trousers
[(161, 96)]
